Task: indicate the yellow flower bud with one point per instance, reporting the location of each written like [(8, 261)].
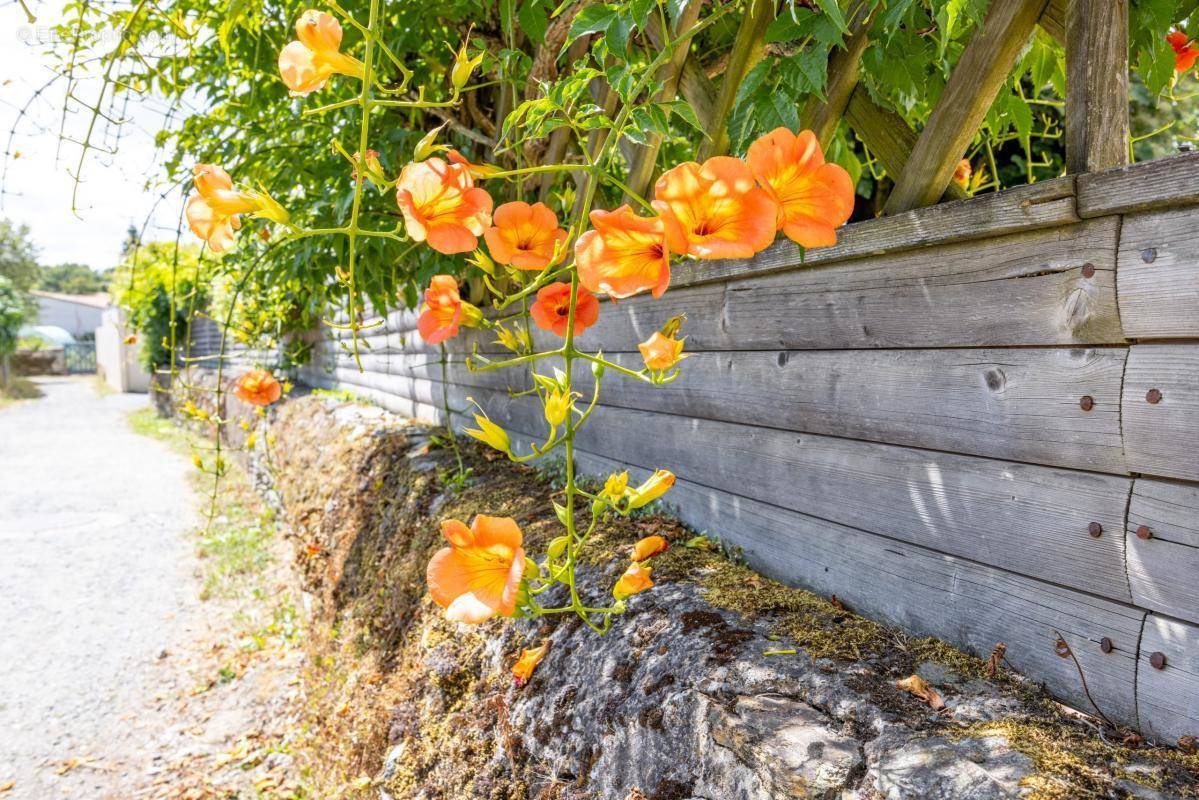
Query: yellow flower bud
[(427, 146), (657, 485), (557, 405), (464, 65), (471, 315), (617, 486), (490, 433)]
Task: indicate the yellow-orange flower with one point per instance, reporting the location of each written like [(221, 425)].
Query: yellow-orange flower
[(479, 574), (477, 171), (530, 657), (307, 64), (661, 352), (635, 579), (442, 206), (551, 311), (648, 547), (814, 198), (715, 209), (962, 173), (442, 311), (623, 254), (525, 236), (654, 487), (213, 212), (257, 387)]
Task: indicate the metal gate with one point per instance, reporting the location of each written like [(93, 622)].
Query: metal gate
[(80, 357)]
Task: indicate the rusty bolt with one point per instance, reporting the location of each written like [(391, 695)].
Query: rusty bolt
[(1095, 529), (1158, 660), (1086, 402), (1105, 644), (1143, 532), (1154, 396), (1149, 255), (1088, 270)]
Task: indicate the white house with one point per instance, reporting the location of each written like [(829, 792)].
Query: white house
[(78, 313)]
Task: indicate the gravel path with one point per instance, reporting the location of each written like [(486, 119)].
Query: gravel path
[(96, 579)]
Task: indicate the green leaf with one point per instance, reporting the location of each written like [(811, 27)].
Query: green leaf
[(533, 20), (832, 10), (592, 19)]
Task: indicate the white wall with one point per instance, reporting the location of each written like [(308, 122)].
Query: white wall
[(77, 318), (117, 361)]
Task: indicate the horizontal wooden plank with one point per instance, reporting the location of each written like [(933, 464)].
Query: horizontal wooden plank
[(1164, 183), (1163, 570), (1160, 437), (1158, 274), (1020, 404), (1040, 205), (1168, 698), (925, 592), (1021, 289), (1029, 519)]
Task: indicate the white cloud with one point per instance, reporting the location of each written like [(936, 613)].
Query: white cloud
[(38, 186)]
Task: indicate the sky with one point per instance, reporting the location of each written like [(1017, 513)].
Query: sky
[(38, 183)]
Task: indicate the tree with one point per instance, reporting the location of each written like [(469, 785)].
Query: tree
[(13, 311), (73, 279), (18, 256)]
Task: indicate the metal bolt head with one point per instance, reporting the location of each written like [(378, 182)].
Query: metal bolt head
[(1088, 270), (1095, 529), (1149, 255), (1105, 644), (1143, 532), (1153, 396), (1086, 402), (1158, 660)]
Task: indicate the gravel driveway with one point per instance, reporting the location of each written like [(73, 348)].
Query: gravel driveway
[(95, 582)]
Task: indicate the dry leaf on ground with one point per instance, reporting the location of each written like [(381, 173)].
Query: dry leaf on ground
[(918, 686)]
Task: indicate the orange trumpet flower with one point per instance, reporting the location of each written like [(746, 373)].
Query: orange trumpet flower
[(479, 574), (715, 209), (1185, 52), (257, 387), (307, 64), (648, 547), (814, 198), (661, 352), (635, 579), (552, 309), (442, 206), (525, 236), (444, 310), (624, 254), (213, 213), (530, 657)]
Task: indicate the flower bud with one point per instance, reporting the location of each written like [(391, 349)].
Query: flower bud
[(635, 579), (490, 433), (427, 146), (472, 316), (658, 484), (464, 65), (557, 405)]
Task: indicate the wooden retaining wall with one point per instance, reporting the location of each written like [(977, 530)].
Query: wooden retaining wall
[(978, 420)]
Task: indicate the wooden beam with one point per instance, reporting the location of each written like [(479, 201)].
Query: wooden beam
[(1161, 183), (748, 47), (1053, 20), (980, 73), (887, 135), (670, 75), (1096, 85), (823, 116)]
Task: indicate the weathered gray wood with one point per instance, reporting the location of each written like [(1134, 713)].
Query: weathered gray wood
[(889, 138), (1164, 183), (1168, 699), (1019, 404), (1053, 20), (1158, 271), (1162, 438), (977, 78), (1163, 570), (1096, 85), (925, 592), (1029, 519), (1013, 290)]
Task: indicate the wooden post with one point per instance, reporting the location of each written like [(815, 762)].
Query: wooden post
[(1053, 21), (887, 135), (976, 80), (1096, 85), (748, 47), (822, 116), (671, 75)]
